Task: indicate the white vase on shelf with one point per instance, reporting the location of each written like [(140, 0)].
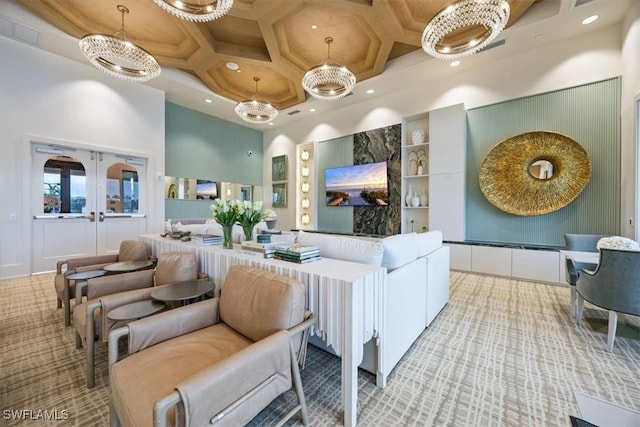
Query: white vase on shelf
[(417, 137), (424, 201), (408, 197), (415, 200)]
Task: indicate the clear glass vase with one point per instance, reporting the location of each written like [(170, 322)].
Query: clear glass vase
[(248, 232), (227, 231)]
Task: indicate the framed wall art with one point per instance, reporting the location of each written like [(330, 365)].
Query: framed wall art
[(279, 168), (279, 195)]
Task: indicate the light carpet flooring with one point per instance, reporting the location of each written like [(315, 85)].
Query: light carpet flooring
[(502, 353)]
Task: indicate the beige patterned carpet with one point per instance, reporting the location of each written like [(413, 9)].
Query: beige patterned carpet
[(502, 353)]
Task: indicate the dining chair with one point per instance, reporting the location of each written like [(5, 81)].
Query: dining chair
[(614, 286), (579, 243)]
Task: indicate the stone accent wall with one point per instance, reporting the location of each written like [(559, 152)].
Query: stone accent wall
[(378, 145)]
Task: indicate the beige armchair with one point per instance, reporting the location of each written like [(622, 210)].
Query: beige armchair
[(106, 293), (220, 361), (130, 250)]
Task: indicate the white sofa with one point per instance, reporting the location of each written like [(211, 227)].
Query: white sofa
[(417, 286)]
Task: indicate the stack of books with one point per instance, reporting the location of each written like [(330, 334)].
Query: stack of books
[(207, 239), (264, 250), (297, 253)]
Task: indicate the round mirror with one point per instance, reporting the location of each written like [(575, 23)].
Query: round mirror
[(541, 169)]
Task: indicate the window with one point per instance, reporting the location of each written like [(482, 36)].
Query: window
[(64, 189)]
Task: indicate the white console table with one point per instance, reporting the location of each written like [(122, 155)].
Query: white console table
[(346, 297)]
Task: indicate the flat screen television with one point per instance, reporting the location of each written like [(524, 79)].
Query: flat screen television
[(206, 189), (357, 185)]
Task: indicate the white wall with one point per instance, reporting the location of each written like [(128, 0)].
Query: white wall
[(630, 181), (51, 98), (593, 57)]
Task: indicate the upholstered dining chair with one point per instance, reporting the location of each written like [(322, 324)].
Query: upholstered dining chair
[(90, 318), (217, 362), (614, 286), (580, 243), (130, 250)]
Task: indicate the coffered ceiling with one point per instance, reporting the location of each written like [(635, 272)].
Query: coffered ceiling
[(276, 40)]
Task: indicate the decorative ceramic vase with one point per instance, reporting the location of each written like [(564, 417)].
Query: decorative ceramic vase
[(227, 231), (248, 232), (417, 136), (420, 170), (271, 223), (409, 196), (423, 199), (415, 201)]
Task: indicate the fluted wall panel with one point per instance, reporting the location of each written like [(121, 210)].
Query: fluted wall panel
[(590, 114)]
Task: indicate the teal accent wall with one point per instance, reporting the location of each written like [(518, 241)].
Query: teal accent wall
[(201, 146), (590, 114), (330, 154)]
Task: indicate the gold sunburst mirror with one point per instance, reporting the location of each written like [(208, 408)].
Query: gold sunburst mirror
[(534, 173)]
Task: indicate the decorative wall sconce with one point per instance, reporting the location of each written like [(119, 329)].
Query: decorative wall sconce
[(305, 203), (305, 171), (304, 155), (305, 219), (305, 187)]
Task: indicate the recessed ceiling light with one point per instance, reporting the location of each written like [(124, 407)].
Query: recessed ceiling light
[(270, 123), (370, 91), (232, 66), (208, 101), (238, 71), (538, 36), (455, 63), (590, 19), (314, 27), (313, 110)]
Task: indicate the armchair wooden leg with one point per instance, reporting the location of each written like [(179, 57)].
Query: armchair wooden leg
[(579, 309), (611, 333), (58, 303), (78, 341), (574, 297)]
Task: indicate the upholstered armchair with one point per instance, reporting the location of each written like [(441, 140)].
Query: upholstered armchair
[(614, 286), (130, 250), (106, 293), (220, 361), (581, 243)]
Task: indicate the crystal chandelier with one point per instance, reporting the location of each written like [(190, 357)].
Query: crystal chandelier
[(256, 111), (328, 81), (196, 12), (492, 15), (118, 57)]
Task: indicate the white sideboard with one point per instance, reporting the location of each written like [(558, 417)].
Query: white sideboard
[(540, 265)]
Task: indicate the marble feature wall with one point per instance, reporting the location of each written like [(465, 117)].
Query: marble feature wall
[(378, 145)]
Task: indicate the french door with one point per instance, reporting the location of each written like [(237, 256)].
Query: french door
[(83, 202)]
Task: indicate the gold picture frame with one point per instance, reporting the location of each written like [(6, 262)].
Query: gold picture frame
[(279, 168), (506, 181)]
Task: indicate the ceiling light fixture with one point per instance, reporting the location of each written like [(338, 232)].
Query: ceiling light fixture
[(196, 12), (328, 81), (454, 63), (119, 57), (590, 19), (492, 15), (256, 111)]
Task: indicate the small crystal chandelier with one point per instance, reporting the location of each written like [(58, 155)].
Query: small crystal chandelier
[(196, 12), (328, 81), (256, 111), (118, 57), (493, 15)]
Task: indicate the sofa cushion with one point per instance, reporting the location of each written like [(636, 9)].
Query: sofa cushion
[(344, 248), (428, 242), (399, 249)]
